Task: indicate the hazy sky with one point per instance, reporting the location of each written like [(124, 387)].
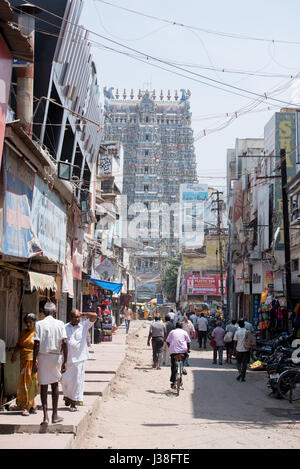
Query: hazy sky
[(269, 19)]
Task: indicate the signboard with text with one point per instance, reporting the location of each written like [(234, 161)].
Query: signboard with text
[(205, 284)]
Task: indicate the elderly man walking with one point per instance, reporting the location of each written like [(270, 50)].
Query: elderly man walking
[(49, 340), (73, 379)]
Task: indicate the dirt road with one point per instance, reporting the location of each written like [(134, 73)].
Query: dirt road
[(213, 411)]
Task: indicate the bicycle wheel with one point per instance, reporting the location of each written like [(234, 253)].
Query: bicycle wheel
[(289, 385)]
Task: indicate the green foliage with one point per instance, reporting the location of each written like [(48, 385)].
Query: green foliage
[(169, 280)]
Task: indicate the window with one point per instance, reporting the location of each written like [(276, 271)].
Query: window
[(147, 119), (146, 188), (146, 170), (146, 152), (147, 137), (295, 265)]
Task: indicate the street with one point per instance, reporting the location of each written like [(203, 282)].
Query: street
[(214, 411)]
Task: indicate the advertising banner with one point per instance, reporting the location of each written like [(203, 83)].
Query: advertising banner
[(49, 220), (263, 218), (269, 281), (239, 277), (191, 219), (19, 238), (285, 138), (204, 285), (146, 291), (77, 255), (238, 201), (103, 268)]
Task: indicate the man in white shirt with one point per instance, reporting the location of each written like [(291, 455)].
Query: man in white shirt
[(171, 315), (179, 342), (202, 324), (248, 325), (194, 318), (242, 354), (73, 378), (49, 340)]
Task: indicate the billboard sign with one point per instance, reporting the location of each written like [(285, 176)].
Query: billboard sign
[(49, 220), (146, 291), (204, 284), (285, 138), (19, 238), (103, 268), (193, 198)]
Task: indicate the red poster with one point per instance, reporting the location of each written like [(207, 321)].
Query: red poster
[(5, 80), (205, 284)]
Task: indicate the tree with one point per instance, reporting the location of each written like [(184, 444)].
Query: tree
[(169, 280)]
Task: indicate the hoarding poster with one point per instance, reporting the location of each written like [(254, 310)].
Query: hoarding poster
[(49, 220), (205, 284), (19, 238)]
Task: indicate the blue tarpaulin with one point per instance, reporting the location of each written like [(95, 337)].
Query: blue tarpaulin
[(115, 287)]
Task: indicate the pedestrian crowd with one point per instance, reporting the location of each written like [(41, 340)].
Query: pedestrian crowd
[(175, 334)]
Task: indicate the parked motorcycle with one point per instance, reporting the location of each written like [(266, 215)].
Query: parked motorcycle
[(266, 348)]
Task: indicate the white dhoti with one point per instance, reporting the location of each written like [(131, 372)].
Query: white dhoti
[(73, 383), (166, 354), (49, 368)]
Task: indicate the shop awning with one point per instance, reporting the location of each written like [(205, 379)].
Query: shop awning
[(115, 287), (42, 281)]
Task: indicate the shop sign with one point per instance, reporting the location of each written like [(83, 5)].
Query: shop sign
[(19, 238), (257, 278), (269, 281), (255, 309), (85, 287), (49, 219)]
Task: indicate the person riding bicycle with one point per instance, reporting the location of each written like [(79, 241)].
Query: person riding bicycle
[(178, 342)]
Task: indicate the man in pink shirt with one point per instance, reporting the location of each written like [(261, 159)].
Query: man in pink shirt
[(178, 342)]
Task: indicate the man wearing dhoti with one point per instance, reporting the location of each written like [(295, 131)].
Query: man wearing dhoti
[(49, 341), (73, 379)]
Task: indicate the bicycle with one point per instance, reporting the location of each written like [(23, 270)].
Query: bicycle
[(289, 384), (179, 359)]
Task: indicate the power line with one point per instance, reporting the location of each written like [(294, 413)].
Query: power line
[(208, 31), (188, 77), (150, 57)]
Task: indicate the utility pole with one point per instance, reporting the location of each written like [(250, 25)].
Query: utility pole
[(219, 211), (286, 226)]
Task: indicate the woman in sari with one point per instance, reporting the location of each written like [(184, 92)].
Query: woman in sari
[(28, 386)]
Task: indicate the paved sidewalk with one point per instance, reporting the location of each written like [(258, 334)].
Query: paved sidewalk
[(105, 361)]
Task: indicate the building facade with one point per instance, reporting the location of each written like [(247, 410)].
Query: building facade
[(159, 155)]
